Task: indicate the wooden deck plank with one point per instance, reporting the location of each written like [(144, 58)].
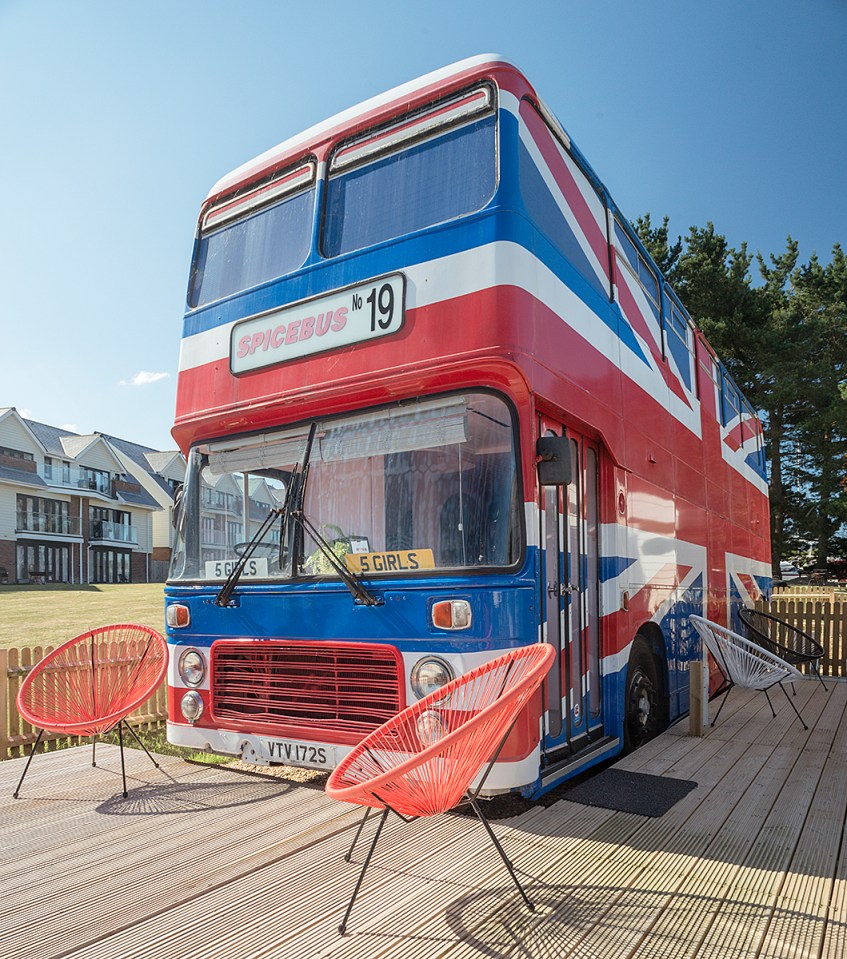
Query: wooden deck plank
[(752, 862), (741, 923), (688, 915), (579, 885)]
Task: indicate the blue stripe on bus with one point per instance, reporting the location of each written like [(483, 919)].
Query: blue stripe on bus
[(355, 268), (545, 211)]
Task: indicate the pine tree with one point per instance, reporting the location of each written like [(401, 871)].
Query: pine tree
[(785, 343)]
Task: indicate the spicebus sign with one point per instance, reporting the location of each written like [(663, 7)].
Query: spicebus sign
[(359, 313)]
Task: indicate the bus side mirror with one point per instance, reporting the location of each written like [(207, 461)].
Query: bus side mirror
[(554, 469)]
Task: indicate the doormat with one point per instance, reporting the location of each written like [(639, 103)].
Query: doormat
[(624, 791)]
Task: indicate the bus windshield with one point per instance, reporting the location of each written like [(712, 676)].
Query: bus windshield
[(423, 485)]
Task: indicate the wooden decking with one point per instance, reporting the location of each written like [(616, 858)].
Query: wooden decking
[(210, 862)]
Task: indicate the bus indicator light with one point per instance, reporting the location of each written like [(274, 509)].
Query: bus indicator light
[(452, 614)]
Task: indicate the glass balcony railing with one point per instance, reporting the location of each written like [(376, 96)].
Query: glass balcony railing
[(114, 532), (98, 484), (48, 523)]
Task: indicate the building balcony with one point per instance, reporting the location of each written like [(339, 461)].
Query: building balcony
[(96, 485), (103, 531), (48, 524)]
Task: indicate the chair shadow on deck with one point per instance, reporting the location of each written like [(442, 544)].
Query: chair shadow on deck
[(590, 920), (178, 797)]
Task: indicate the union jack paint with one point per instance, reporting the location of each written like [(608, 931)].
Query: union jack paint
[(502, 296)]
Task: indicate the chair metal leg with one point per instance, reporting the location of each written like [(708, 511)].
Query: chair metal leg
[(818, 674), (123, 768), (349, 854), (134, 735), (723, 703), (94, 750), (791, 704), (343, 927), (769, 700), (502, 852), (26, 768)]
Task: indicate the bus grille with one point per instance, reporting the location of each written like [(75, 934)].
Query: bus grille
[(314, 690)]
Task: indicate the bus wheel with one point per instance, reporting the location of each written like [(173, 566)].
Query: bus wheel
[(643, 716)]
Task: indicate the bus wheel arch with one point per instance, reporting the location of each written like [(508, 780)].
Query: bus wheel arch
[(645, 690)]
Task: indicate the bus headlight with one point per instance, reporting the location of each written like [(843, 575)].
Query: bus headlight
[(429, 674), (191, 706), (192, 667), (430, 728)]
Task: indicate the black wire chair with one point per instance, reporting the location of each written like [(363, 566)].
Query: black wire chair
[(781, 638)]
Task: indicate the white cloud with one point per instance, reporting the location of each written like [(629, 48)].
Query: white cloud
[(70, 427), (143, 378)]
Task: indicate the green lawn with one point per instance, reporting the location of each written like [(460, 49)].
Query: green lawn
[(49, 615)]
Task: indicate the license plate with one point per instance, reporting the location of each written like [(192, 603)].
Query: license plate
[(290, 752), (255, 568)]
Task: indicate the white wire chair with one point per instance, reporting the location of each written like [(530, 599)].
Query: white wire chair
[(746, 664)]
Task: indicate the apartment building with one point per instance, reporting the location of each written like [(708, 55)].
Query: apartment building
[(81, 509), (159, 473)]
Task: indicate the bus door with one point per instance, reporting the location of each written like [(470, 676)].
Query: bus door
[(570, 599)]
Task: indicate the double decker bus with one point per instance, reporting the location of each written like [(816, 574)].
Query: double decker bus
[(437, 401)]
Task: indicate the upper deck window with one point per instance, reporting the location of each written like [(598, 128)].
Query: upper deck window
[(426, 169), (632, 259), (254, 235), (679, 340)]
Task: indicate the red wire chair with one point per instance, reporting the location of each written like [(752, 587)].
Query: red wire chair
[(423, 760), (89, 685)]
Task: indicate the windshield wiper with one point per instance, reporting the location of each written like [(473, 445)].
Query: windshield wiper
[(361, 594), (223, 597), (293, 495), (292, 508)]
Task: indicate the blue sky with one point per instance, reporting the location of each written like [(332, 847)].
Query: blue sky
[(117, 118)]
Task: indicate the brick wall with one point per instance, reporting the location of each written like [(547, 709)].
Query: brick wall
[(16, 463), (125, 486), (7, 558), (138, 568)]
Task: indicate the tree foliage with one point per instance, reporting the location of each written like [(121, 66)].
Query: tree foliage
[(784, 340)]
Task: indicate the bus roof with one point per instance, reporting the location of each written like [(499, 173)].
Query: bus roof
[(315, 134)]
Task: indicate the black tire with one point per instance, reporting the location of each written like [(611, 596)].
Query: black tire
[(644, 712)]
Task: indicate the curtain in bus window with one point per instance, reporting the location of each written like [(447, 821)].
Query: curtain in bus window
[(260, 247), (428, 183)]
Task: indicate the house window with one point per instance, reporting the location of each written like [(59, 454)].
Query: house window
[(38, 515), (43, 563), (48, 468), (110, 566)]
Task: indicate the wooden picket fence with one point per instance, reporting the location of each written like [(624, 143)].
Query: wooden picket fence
[(821, 612), (16, 734)]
